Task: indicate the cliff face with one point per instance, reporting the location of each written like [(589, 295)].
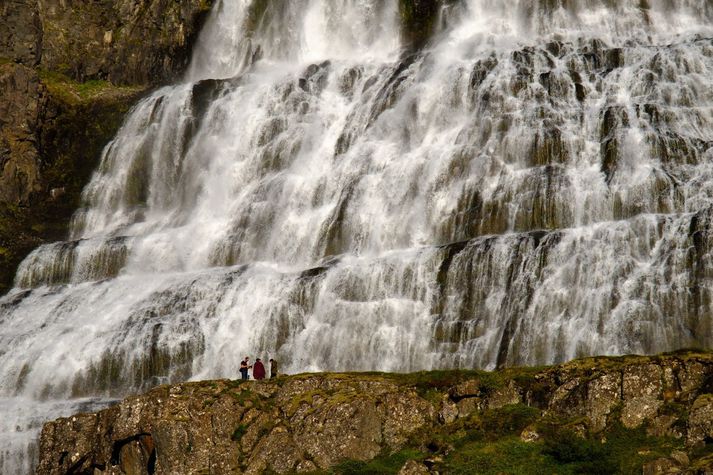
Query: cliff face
[(125, 41), (597, 415), (69, 71)]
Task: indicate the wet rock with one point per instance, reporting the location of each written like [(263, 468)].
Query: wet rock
[(418, 21), (51, 130), (549, 147), (481, 70), (614, 120)]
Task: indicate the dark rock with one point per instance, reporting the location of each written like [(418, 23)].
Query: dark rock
[(126, 42), (418, 21)]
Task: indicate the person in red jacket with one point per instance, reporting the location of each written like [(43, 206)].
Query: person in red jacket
[(258, 369)]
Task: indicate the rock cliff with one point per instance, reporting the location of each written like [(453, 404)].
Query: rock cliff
[(125, 42), (69, 71), (596, 415)]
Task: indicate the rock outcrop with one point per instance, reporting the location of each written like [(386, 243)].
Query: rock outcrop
[(303, 423), (125, 41), (69, 71)]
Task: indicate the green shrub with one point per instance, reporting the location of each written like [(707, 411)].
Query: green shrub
[(507, 420), (587, 456), (382, 465), (239, 432)]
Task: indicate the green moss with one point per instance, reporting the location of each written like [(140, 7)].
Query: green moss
[(239, 432), (509, 455), (425, 381), (631, 448), (508, 420), (69, 91), (383, 464), (580, 455), (560, 452), (245, 397)]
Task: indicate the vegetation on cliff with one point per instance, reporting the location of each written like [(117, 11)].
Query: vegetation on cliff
[(50, 141), (69, 72), (596, 415)]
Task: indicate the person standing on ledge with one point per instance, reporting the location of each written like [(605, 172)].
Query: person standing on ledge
[(273, 368), (244, 368), (259, 369)]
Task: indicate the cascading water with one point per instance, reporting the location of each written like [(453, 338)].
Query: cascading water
[(534, 185)]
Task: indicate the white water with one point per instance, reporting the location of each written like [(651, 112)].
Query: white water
[(304, 205)]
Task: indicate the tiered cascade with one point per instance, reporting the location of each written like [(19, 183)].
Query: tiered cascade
[(533, 184)]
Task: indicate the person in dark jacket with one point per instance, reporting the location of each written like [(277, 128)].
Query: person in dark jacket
[(244, 367), (273, 368), (258, 369)]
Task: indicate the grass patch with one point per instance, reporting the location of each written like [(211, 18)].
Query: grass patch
[(426, 381), (508, 420), (383, 464), (509, 455), (631, 448), (579, 455), (73, 92), (490, 444)]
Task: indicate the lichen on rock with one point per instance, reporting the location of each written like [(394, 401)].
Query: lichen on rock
[(412, 423)]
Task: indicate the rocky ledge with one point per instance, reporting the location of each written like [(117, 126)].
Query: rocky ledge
[(595, 415)]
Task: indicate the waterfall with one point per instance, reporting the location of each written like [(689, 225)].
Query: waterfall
[(533, 185)]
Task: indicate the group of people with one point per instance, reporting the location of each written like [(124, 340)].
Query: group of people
[(258, 368)]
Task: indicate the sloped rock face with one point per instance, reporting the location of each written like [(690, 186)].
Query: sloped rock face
[(309, 422)]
